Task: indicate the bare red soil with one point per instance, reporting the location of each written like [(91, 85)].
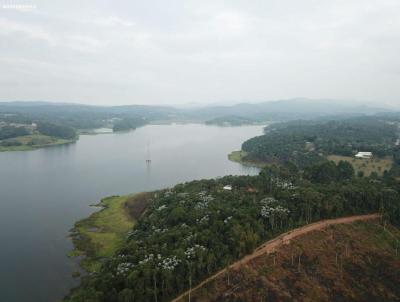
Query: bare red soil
[(281, 242)]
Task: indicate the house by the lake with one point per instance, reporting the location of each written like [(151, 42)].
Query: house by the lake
[(364, 155), (228, 187)]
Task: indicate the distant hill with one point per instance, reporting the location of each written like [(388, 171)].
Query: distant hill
[(352, 262), (231, 120), (286, 109), (85, 117), (304, 142)]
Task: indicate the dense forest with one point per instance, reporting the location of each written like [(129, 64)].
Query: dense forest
[(64, 121), (78, 116), (126, 124), (304, 142), (196, 228), (192, 230), (11, 132), (55, 130)]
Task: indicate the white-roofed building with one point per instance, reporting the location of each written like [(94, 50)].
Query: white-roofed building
[(365, 155)]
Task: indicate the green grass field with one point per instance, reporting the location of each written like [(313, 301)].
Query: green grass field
[(34, 141), (102, 233), (367, 166)]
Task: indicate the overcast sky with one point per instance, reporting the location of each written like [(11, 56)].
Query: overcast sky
[(203, 51)]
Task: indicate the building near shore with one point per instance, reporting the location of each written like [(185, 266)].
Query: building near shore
[(364, 155)]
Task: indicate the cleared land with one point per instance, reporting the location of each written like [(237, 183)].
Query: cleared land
[(271, 247), (102, 233), (344, 262), (367, 166)]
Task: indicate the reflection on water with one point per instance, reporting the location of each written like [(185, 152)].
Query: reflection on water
[(148, 173), (43, 192)]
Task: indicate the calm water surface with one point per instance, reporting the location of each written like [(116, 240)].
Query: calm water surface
[(43, 192)]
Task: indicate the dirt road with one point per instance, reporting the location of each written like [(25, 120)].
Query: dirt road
[(285, 238)]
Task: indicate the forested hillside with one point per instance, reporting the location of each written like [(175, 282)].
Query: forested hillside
[(196, 228), (55, 130), (304, 142), (125, 124), (24, 126), (7, 132), (231, 120), (81, 116)]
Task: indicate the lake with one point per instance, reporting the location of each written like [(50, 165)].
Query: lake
[(43, 192)]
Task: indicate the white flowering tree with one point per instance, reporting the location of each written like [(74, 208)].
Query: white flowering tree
[(159, 266), (191, 254), (273, 212)]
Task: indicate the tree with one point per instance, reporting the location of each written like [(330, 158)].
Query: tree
[(126, 295), (345, 170), (54, 130), (11, 132), (325, 172), (128, 123)]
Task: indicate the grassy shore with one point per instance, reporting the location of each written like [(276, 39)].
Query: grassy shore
[(366, 166), (35, 141), (95, 131), (102, 233), (240, 157)]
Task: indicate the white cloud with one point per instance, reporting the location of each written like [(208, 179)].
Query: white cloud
[(196, 51), (9, 27), (83, 43), (112, 21)]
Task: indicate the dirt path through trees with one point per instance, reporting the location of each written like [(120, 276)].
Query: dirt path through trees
[(285, 238)]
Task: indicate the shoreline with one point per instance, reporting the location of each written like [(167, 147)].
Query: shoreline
[(102, 233), (239, 157), (94, 238), (57, 142), (91, 132)]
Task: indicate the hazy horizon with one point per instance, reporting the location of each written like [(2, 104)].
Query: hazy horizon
[(186, 53), (346, 103)]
